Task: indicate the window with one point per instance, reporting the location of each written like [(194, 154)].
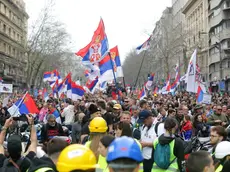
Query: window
[(4, 28), (14, 52), (10, 32), (4, 9), (4, 48), (9, 50), (14, 35), (17, 37)]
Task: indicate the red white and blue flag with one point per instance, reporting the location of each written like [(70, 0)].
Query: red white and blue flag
[(143, 46), (168, 85), (1, 80), (142, 94), (149, 83), (200, 94), (177, 79), (77, 91), (51, 76), (111, 63), (65, 85), (97, 49), (92, 85)]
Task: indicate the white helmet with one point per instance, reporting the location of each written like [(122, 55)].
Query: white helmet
[(222, 149)]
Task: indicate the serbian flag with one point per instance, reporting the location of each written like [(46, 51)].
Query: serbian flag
[(62, 87), (177, 80), (200, 94), (77, 91), (156, 90), (143, 46), (110, 66), (97, 49), (51, 76), (142, 94), (91, 85), (25, 105), (168, 86), (1, 80), (92, 74), (150, 82)]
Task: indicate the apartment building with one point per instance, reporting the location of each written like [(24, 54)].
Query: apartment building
[(13, 40)]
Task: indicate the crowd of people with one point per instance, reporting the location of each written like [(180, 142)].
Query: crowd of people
[(160, 133)]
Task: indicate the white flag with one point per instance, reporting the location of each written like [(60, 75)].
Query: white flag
[(191, 74)]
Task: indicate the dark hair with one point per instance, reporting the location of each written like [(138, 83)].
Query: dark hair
[(220, 131), (124, 161), (56, 145), (170, 123), (197, 161), (171, 110), (187, 117), (101, 104), (107, 140), (125, 127), (142, 102)]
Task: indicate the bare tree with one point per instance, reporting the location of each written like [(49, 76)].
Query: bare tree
[(47, 44)]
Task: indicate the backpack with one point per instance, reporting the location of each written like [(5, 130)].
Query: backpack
[(10, 166), (162, 155)]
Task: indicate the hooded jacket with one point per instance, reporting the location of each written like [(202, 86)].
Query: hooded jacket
[(178, 148)]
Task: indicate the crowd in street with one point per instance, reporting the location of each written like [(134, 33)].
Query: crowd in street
[(160, 133)]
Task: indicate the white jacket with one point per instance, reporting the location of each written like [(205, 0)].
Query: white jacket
[(68, 113)]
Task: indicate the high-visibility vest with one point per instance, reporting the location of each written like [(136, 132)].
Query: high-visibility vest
[(173, 166), (219, 169), (103, 166), (141, 167)]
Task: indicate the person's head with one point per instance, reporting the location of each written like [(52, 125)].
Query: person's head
[(117, 109), (198, 118), (146, 118), (143, 104), (104, 144), (218, 110), (54, 148), (123, 129), (94, 111), (171, 113), (98, 128), (224, 108), (125, 117), (134, 110), (200, 161), (77, 157), (199, 109), (51, 120), (101, 104), (222, 150), (80, 117), (180, 112), (228, 110), (14, 147), (45, 105), (170, 125), (162, 111), (186, 118), (217, 135), (124, 155), (214, 108)]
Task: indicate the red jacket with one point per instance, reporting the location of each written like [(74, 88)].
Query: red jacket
[(186, 126)]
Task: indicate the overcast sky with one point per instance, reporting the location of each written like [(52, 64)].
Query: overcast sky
[(127, 22)]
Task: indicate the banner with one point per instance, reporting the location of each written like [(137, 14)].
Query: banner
[(6, 88), (207, 99)]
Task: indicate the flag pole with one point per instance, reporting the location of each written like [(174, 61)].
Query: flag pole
[(114, 75), (140, 69)]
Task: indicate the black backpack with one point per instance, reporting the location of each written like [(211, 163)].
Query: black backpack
[(10, 166), (156, 128)]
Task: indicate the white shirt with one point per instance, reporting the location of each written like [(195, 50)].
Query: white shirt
[(148, 136), (68, 113), (160, 129)]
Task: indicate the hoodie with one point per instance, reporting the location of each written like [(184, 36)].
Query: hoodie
[(178, 148)]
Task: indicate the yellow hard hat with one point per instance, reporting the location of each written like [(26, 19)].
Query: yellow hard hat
[(98, 125), (76, 157)]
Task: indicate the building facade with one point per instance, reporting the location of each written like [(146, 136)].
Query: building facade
[(219, 41), (196, 25), (13, 42)]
